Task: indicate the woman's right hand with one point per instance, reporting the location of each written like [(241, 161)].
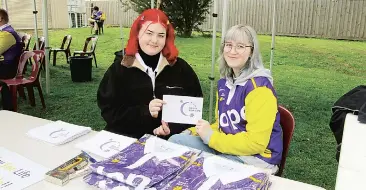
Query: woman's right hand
[(155, 106)]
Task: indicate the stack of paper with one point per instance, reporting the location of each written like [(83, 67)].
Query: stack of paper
[(58, 132), (105, 144)]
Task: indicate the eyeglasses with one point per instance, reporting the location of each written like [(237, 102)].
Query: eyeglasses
[(239, 48)]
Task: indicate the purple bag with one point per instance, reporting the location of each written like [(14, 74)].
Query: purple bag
[(194, 178), (103, 182), (191, 179), (254, 182), (125, 157), (133, 168)]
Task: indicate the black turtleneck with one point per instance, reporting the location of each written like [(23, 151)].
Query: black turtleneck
[(150, 61)]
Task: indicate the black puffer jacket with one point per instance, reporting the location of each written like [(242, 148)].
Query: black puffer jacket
[(350, 102), (124, 95)]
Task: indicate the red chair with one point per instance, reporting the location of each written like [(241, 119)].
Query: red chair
[(19, 80), (41, 45), (33, 80), (287, 123)]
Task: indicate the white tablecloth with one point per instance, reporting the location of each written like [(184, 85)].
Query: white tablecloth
[(13, 128), (352, 167)]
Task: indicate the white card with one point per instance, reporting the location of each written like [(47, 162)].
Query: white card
[(58, 132), (17, 172), (182, 109), (105, 144)]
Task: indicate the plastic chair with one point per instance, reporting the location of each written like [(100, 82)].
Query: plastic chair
[(100, 27), (287, 123), (26, 38), (65, 42), (92, 48), (19, 80), (101, 23), (33, 80), (41, 43), (23, 59)]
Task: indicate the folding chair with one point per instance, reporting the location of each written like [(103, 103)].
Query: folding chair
[(26, 38), (65, 42), (41, 43), (92, 48)]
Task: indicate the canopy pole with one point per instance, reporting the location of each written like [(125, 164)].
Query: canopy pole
[(273, 34), (35, 24), (121, 27), (213, 60), (6, 5), (47, 48)]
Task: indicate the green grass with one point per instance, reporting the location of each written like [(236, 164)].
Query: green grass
[(310, 75)]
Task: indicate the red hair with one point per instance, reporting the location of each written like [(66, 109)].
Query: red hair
[(169, 51)]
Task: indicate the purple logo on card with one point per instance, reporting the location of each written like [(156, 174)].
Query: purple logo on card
[(188, 108), (110, 145), (59, 133)]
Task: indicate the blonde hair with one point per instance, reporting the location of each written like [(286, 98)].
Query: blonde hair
[(241, 33)]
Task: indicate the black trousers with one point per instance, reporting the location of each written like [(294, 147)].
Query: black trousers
[(5, 97), (8, 71)]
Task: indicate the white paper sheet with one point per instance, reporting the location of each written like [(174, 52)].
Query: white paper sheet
[(105, 144), (17, 172), (182, 109), (226, 170), (163, 149), (58, 132)]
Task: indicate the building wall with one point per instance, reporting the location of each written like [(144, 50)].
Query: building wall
[(21, 14)]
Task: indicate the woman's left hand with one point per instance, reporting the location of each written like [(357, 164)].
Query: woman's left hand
[(163, 130), (204, 130)]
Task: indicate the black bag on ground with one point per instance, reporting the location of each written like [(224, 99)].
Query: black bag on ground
[(350, 102), (6, 99), (81, 68)]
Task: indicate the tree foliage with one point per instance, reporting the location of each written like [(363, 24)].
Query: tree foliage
[(185, 15)]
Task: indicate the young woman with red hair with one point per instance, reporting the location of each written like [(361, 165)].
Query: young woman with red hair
[(130, 93)]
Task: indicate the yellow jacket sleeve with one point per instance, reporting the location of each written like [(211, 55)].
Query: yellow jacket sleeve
[(6, 41), (214, 126), (260, 111)]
